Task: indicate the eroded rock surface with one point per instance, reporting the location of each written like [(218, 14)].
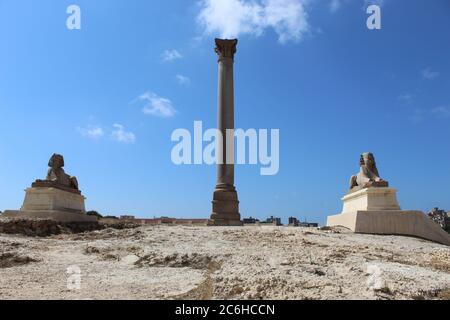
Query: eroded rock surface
[(174, 262)]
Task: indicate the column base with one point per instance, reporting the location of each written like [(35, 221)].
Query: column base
[(225, 207)]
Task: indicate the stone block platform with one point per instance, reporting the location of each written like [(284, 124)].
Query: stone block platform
[(51, 203), (376, 211)]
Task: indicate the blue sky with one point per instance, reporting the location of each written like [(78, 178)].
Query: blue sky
[(309, 68)]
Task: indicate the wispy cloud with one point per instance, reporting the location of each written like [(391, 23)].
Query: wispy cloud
[(335, 5), (429, 74), (156, 105), (233, 18), (183, 80), (442, 112), (91, 132), (406, 98), (417, 116), (170, 55), (420, 115), (119, 134)]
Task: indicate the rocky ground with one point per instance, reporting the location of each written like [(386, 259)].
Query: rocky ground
[(181, 262)]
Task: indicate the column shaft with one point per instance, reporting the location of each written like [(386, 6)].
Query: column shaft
[(225, 121), (225, 200)]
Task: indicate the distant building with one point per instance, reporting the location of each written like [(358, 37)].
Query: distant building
[(173, 221), (273, 220), (250, 220), (127, 217), (441, 217), (308, 225), (164, 221), (293, 222)]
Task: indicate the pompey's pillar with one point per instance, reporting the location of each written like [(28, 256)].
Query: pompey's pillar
[(225, 200)]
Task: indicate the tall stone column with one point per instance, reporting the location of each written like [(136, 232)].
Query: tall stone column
[(225, 200)]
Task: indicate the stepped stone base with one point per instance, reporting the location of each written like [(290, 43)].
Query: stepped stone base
[(376, 211), (225, 209), (407, 223), (53, 204)]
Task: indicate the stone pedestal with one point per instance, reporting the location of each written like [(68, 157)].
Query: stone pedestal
[(53, 204), (371, 199), (53, 199), (376, 211), (225, 200)]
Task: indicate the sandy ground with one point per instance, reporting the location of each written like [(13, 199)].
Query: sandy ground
[(183, 262)]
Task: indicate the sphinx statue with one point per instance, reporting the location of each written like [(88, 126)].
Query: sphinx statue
[(56, 175), (368, 175), (371, 207), (56, 198)]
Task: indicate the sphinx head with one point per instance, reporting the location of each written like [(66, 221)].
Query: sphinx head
[(368, 160), (56, 161)]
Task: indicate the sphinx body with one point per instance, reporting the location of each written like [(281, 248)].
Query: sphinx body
[(368, 175), (57, 176)]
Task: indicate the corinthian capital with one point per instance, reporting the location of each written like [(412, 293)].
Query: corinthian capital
[(226, 48)]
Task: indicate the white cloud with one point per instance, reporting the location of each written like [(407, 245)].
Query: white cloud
[(156, 105), (170, 55), (335, 5), (443, 112), (182, 79), (232, 18), (120, 135), (429, 74), (91, 132)]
